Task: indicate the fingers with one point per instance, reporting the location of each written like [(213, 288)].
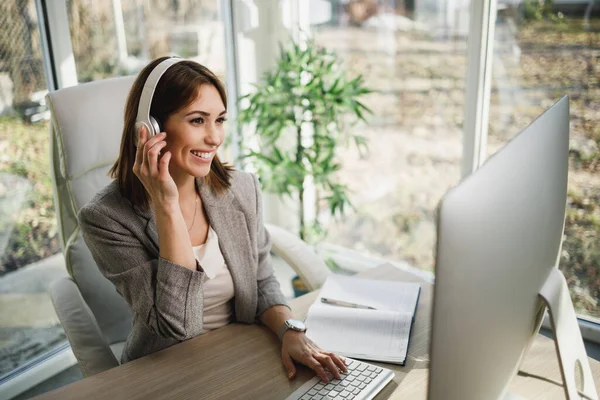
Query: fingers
[(149, 147), (147, 154), (139, 155), (288, 363), (339, 362), (153, 155), (163, 170), (328, 363), (316, 366)]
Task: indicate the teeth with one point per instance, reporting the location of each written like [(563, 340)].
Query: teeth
[(202, 155)]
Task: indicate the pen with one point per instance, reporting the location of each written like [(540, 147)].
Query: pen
[(345, 304)]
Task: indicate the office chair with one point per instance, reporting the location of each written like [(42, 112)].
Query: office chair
[(86, 126)]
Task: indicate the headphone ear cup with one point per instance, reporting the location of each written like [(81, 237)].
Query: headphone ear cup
[(155, 126)]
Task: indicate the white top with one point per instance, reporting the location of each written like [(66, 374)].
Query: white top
[(218, 285)]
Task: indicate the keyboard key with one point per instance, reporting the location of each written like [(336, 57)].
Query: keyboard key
[(334, 393), (317, 397), (370, 368), (344, 393), (361, 385), (305, 397), (356, 391), (360, 378), (368, 380), (351, 396), (323, 391), (312, 392), (344, 383), (361, 367)]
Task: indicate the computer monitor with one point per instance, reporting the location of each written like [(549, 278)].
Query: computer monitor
[(498, 246)]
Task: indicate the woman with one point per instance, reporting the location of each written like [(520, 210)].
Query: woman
[(180, 234)]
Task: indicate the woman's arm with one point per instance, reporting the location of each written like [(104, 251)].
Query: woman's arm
[(275, 317), (166, 297), (173, 238), (273, 311)]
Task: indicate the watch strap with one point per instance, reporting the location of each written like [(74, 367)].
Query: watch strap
[(285, 327)]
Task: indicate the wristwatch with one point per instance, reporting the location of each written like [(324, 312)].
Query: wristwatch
[(293, 324)]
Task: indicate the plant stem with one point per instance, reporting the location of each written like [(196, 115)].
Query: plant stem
[(299, 160)]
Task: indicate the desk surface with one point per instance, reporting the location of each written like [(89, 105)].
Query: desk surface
[(244, 362)]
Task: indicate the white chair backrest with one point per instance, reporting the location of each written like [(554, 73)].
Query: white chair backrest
[(87, 123)]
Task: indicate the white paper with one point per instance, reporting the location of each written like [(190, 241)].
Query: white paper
[(381, 295), (381, 334)]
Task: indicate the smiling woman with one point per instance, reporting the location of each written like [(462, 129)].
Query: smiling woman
[(185, 87), (179, 233)]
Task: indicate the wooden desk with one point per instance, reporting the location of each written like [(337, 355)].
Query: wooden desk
[(244, 362)]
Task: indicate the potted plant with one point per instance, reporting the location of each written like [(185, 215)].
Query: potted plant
[(297, 118)]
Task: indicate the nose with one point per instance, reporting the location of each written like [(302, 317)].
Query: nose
[(213, 137)]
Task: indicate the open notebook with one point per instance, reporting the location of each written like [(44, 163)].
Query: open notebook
[(381, 334)]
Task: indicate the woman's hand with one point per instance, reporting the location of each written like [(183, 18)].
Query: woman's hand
[(297, 347), (152, 170)]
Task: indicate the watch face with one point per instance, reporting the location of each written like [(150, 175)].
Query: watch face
[(296, 325)]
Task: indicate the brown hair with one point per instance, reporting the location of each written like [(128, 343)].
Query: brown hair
[(177, 88)]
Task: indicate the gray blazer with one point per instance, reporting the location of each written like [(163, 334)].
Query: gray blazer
[(167, 298)]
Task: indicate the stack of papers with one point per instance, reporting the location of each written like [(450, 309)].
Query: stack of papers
[(379, 329)]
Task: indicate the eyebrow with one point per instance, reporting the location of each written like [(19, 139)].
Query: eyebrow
[(204, 113)]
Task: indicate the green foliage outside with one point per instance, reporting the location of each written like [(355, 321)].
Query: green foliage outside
[(536, 10), (574, 71), (581, 250), (25, 153), (299, 116)]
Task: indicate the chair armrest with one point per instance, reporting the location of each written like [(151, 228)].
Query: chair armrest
[(89, 346), (303, 260)]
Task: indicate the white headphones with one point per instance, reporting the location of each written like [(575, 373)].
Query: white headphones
[(143, 116)]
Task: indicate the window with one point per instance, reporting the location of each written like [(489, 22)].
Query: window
[(544, 50), (29, 244), (413, 54), (113, 38)]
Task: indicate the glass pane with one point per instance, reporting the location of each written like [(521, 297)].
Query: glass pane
[(413, 55), (29, 244), (119, 37), (544, 50)]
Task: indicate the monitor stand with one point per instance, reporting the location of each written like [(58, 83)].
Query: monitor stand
[(572, 356)]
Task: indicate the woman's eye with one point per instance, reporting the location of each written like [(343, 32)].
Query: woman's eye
[(197, 120), (221, 120)]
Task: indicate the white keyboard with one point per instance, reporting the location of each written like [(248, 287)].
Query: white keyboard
[(362, 382)]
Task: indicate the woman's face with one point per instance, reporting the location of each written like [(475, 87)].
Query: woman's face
[(194, 134)]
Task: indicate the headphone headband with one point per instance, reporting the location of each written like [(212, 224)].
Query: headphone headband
[(143, 115)]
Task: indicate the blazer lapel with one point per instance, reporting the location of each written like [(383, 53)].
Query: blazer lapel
[(229, 223)]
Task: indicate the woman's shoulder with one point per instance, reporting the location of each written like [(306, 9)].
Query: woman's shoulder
[(107, 200), (243, 181), (244, 187)]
